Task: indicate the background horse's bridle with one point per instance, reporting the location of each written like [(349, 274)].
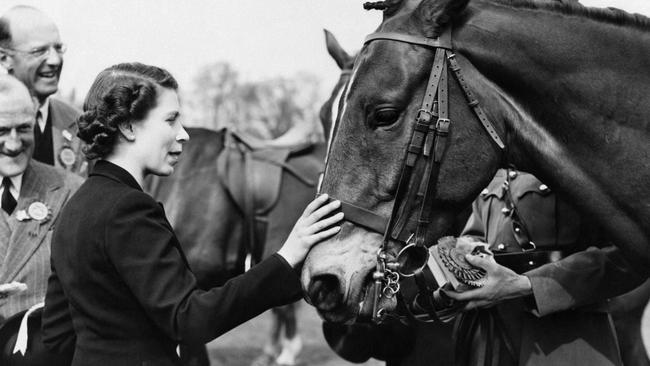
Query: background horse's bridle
[(423, 157)]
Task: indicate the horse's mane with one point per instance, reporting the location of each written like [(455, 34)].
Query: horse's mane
[(607, 15)]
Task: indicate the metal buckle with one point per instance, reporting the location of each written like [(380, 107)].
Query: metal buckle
[(422, 119), (442, 126)]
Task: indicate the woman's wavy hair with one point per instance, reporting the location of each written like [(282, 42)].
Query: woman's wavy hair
[(122, 93)]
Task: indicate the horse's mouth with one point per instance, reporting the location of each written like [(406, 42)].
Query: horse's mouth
[(361, 309)]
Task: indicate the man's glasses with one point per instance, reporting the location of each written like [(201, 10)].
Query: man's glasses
[(43, 51)]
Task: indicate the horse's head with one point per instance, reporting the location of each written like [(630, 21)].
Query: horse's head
[(368, 154)]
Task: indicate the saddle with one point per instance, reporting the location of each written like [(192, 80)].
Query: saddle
[(252, 173)]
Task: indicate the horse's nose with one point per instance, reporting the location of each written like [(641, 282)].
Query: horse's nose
[(324, 292)]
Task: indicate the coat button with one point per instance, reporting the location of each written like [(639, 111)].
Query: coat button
[(531, 263)]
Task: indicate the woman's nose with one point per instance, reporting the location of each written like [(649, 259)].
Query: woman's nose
[(182, 136)]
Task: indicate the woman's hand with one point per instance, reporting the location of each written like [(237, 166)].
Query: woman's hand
[(308, 230), (502, 283)]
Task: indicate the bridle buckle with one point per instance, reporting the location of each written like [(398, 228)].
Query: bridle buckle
[(421, 118)]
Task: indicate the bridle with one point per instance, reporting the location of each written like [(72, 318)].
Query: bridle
[(423, 157)]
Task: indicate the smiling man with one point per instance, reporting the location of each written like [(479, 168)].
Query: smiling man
[(32, 51), (32, 195)]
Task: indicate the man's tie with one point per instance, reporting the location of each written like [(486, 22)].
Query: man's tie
[(43, 148), (8, 200), (37, 130)]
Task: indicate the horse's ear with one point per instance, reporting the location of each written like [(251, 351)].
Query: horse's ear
[(435, 15), (335, 50)]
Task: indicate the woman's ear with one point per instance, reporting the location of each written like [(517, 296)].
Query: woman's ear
[(126, 129)]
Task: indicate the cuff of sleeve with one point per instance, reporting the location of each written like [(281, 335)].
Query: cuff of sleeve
[(548, 296), (287, 265), (290, 277)]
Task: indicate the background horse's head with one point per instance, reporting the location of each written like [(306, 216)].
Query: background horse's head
[(534, 69), (206, 219)]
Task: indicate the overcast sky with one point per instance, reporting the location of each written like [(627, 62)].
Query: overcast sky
[(261, 39)]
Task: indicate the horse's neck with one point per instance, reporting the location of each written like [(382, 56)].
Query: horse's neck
[(568, 78), (577, 90)]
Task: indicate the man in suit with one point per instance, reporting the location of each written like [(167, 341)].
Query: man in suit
[(31, 50), (32, 195)]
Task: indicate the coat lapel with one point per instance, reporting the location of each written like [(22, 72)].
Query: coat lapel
[(5, 233), (39, 185)]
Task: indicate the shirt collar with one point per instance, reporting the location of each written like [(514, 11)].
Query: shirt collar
[(16, 184)]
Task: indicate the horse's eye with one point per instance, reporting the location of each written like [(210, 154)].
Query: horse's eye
[(385, 116)]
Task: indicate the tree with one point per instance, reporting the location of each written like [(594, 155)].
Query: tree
[(265, 109)]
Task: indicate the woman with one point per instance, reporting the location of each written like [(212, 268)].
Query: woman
[(120, 282)]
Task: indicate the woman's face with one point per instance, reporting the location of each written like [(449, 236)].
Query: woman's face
[(160, 136)]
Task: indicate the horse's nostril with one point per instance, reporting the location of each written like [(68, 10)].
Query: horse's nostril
[(324, 292)]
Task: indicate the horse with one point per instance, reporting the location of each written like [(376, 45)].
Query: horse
[(397, 343), (232, 201), (558, 90)]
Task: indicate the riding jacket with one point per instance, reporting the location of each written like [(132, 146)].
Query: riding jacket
[(121, 285)]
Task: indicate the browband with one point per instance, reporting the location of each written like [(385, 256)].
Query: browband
[(444, 41)]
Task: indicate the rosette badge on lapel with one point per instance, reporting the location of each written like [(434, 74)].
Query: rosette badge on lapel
[(35, 211), (67, 156)]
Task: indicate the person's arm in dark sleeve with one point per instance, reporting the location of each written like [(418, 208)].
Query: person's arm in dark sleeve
[(583, 278), (143, 249), (56, 324)]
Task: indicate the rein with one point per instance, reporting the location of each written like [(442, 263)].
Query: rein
[(423, 157)]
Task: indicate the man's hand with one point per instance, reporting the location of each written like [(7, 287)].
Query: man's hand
[(501, 284)]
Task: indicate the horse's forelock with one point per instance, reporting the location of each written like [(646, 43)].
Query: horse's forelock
[(435, 15), (389, 7)]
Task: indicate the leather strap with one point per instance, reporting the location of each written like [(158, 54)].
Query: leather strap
[(364, 217), (474, 103), (444, 41), (249, 205)]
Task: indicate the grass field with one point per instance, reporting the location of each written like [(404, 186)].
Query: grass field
[(242, 345)]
